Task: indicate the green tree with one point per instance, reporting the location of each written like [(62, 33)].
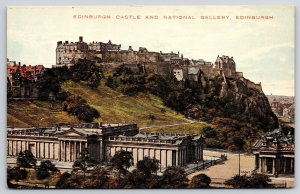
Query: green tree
[(84, 162), (26, 159), (174, 178), (253, 181), (238, 181), (148, 165), (209, 132), (44, 168), (122, 160), (15, 173), (97, 180), (259, 181), (200, 181), (139, 180), (94, 80), (61, 183)]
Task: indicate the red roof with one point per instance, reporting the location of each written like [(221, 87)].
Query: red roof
[(28, 72)]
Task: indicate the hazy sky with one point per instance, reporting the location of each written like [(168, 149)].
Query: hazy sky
[(263, 49)]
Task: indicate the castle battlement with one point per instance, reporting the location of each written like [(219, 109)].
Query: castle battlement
[(162, 63)]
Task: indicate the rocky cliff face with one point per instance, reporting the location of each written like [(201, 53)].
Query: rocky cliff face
[(230, 97)]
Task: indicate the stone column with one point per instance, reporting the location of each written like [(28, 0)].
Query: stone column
[(80, 146), (49, 150), (17, 147), (75, 150), (65, 151), (44, 150), (166, 158), (177, 158), (100, 151), (12, 147), (181, 157), (160, 160), (59, 151), (53, 150), (274, 164), (69, 151)]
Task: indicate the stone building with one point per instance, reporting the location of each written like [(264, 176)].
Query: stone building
[(275, 154), (23, 81), (64, 143), (226, 65), (161, 63)]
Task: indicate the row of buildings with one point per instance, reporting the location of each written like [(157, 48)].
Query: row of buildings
[(63, 143), (274, 152), (23, 81), (68, 53)]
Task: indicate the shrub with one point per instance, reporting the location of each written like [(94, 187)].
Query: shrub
[(200, 181)]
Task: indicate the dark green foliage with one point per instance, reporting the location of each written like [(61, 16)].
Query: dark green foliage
[(26, 159), (148, 165), (97, 180), (253, 181), (83, 70), (111, 82), (209, 132), (78, 106), (127, 81), (122, 160), (61, 183), (94, 80), (200, 181), (84, 162), (174, 178), (50, 82), (238, 143), (44, 168), (16, 173), (76, 77), (142, 177), (70, 181), (139, 180)]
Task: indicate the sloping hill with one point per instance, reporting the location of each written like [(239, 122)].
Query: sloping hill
[(113, 106), (116, 107), (36, 114)]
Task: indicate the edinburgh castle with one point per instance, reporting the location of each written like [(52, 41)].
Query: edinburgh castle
[(68, 53)]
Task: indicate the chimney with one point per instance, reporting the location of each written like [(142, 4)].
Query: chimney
[(80, 39), (59, 43)]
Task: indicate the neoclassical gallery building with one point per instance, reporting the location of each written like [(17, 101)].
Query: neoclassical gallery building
[(63, 143)]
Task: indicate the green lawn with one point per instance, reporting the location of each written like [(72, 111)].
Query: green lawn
[(186, 128), (36, 114), (113, 106)]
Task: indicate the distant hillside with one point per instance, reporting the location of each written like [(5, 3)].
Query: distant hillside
[(281, 99), (113, 106)]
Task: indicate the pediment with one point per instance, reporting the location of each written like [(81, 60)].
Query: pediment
[(72, 134)]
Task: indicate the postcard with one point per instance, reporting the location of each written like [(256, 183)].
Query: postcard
[(150, 97)]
